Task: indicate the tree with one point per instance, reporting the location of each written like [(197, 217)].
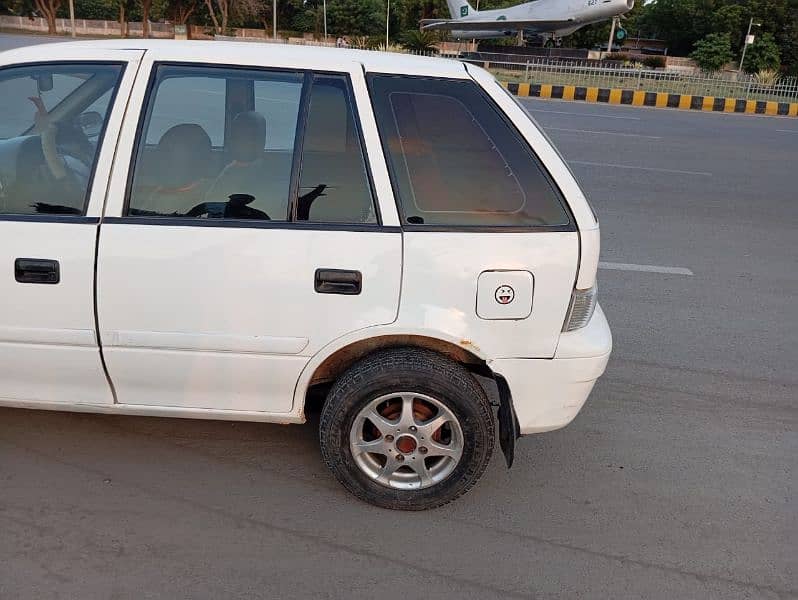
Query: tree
[(223, 8), (102, 10), (356, 17), (729, 19), (179, 11), (258, 13), (713, 51), (309, 19), (146, 5), (762, 55), (788, 45), (422, 42), (408, 13), (49, 8), (124, 29), (681, 23)]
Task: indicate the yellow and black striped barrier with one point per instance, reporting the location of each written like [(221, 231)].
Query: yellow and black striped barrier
[(654, 99)]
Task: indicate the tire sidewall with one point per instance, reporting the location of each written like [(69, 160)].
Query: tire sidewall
[(456, 393)]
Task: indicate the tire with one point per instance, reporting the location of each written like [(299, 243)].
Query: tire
[(439, 462)]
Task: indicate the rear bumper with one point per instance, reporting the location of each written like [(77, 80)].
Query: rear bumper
[(548, 393)]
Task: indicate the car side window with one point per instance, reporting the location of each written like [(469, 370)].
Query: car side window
[(455, 161), (228, 156), (334, 185), (51, 126)]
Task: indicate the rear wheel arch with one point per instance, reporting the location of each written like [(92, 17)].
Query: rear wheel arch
[(326, 368)]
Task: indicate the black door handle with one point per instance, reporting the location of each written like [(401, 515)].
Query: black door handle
[(37, 270), (338, 281)]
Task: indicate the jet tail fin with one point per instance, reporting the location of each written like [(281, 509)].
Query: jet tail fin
[(460, 8)]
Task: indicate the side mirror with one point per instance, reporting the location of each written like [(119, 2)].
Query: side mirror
[(91, 123), (44, 82)]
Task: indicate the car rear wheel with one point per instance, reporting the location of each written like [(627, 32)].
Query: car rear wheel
[(407, 428)]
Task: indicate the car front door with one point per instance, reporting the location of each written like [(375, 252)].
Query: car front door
[(58, 129), (246, 237)]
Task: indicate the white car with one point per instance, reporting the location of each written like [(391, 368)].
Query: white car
[(221, 230)]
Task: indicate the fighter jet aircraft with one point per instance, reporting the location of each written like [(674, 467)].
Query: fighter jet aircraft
[(550, 19)]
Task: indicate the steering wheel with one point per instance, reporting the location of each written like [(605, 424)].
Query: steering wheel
[(235, 208)]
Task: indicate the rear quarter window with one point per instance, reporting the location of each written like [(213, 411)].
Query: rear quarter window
[(456, 161)]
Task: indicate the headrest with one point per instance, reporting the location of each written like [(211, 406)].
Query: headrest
[(184, 154), (248, 136)]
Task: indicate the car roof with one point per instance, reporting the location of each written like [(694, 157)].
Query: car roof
[(321, 57)]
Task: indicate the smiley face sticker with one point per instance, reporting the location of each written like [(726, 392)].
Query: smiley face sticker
[(504, 294)]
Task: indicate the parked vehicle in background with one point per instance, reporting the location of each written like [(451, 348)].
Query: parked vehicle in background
[(214, 231)]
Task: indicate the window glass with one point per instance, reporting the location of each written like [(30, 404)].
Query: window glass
[(280, 100), (333, 185), (542, 131), (170, 107), (225, 154), (455, 160), (50, 127)]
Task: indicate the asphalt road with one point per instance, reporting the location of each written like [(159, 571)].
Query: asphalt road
[(677, 480), (9, 41)]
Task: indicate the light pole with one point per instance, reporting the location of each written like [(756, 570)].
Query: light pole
[(274, 19), (612, 35), (387, 24), (72, 16), (325, 20), (746, 41)]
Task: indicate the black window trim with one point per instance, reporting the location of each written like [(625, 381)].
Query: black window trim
[(567, 227), (51, 218), (82, 218), (250, 224), (299, 146), (295, 168)]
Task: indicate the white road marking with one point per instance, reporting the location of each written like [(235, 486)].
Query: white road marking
[(613, 266), (788, 130), (648, 137), (659, 170), (578, 114)]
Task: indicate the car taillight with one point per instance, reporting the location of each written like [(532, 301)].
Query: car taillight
[(583, 303)]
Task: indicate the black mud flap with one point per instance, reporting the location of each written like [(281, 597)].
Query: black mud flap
[(508, 422)]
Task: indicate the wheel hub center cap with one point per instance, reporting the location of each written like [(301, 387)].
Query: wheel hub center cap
[(406, 444)]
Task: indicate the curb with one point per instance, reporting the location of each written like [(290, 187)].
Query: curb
[(653, 99)]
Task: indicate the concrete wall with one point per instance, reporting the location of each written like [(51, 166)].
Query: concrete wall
[(97, 28), (87, 27)]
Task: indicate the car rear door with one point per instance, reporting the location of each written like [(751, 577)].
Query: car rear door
[(59, 124), (247, 235)]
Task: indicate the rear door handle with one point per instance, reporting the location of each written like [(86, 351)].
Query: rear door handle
[(338, 281), (37, 270)]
